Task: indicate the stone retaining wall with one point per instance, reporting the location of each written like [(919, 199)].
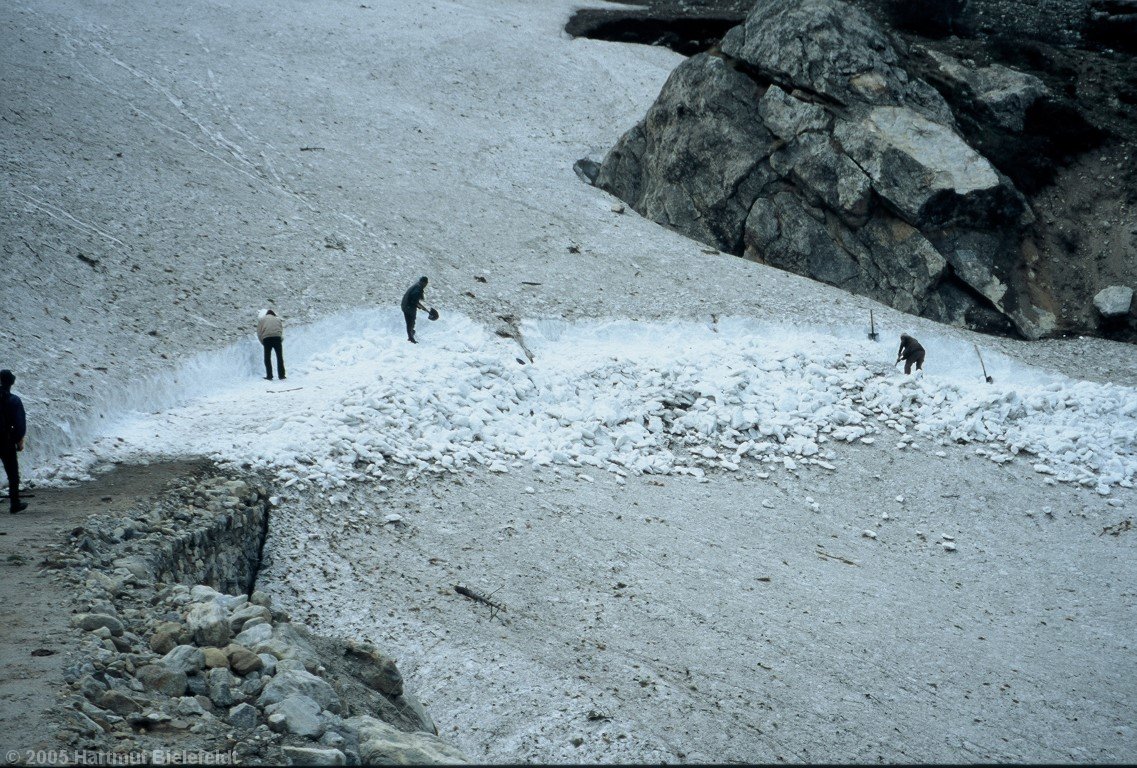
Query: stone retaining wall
[(179, 652)]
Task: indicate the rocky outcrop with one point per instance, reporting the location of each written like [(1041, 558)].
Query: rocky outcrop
[(168, 665), (806, 144)]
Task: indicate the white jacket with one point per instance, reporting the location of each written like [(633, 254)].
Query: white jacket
[(269, 326)]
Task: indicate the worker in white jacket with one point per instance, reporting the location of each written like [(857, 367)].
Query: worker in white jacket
[(270, 331)]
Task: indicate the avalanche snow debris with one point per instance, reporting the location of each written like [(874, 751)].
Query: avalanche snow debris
[(619, 396)]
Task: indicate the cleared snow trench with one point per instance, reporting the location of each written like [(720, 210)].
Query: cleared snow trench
[(621, 396)]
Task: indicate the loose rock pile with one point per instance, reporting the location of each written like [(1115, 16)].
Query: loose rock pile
[(165, 666)]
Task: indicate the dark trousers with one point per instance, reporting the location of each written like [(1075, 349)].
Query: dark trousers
[(12, 469), (915, 357), (270, 343), (409, 316)]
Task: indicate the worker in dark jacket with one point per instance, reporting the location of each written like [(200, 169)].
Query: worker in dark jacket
[(911, 353), (13, 427), (411, 304)]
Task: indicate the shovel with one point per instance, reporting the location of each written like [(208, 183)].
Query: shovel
[(872, 328), (986, 378)]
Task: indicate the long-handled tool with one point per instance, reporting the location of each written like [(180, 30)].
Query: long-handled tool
[(872, 328), (986, 378)]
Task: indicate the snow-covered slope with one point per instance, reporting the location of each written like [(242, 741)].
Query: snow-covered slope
[(172, 169)]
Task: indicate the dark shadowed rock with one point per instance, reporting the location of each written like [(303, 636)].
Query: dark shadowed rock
[(807, 145), (696, 161)]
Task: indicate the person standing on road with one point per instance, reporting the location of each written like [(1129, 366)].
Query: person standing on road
[(911, 353), (270, 331), (411, 304), (13, 427)]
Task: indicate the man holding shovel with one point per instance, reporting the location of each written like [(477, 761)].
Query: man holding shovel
[(910, 352), (412, 303)]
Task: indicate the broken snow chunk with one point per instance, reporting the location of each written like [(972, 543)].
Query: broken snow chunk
[(949, 546), (767, 504), (868, 440), (868, 534), (948, 538), (900, 499)]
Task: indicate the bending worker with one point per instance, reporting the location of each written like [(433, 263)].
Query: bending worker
[(910, 352)]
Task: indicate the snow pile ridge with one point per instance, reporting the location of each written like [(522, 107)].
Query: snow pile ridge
[(621, 396)]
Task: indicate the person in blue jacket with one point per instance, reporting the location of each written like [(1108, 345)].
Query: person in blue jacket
[(13, 427)]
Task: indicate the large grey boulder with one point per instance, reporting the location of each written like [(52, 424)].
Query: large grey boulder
[(185, 658), (254, 636), (241, 616), (807, 145), (925, 172), (290, 682), (209, 623), (1114, 301), (382, 744), (296, 714), (90, 622), (831, 49), (163, 679)]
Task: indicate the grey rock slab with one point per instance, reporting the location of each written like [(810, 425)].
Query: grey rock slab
[(380, 743), (219, 686), (119, 703), (163, 679), (93, 621), (832, 49), (243, 716), (923, 169), (300, 714), (185, 658), (1003, 94), (253, 636), (291, 682), (240, 616), (1113, 301), (313, 756)]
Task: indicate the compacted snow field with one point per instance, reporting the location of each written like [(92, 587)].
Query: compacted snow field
[(723, 526), (722, 541)]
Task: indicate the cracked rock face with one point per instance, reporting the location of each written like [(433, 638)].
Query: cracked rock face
[(806, 145)]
